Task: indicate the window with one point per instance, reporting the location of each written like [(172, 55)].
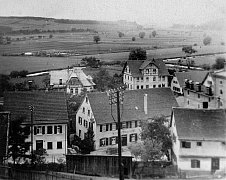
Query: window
[(154, 71), (205, 105), (49, 145), (83, 110), (80, 133), (60, 82), (188, 102), (128, 77), (100, 128), (138, 79), (198, 95), (131, 79), (185, 144), (133, 138), (147, 86), (147, 78), (103, 142), (159, 85), (71, 90), (106, 127), (147, 71), (80, 120), (86, 100), (113, 140), (163, 85), (221, 82), (137, 87), (58, 129), (154, 86), (135, 123), (59, 145), (188, 92), (154, 78), (195, 163), (88, 112), (49, 130), (141, 86), (110, 127), (163, 78), (221, 91), (141, 79), (39, 144), (159, 78), (39, 130), (199, 143)]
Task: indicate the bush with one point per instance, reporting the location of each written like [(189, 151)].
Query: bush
[(141, 35), (133, 39), (207, 40)]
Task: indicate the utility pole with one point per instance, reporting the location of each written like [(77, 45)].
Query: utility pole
[(32, 149), (116, 97)]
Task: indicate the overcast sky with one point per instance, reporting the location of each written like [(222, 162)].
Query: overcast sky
[(159, 12)]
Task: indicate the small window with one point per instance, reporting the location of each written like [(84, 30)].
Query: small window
[(199, 143), (147, 86), (141, 79), (185, 144), (83, 110), (80, 133), (133, 137), (221, 91), (138, 79), (137, 87), (100, 128), (163, 78), (49, 130), (135, 123), (58, 129), (221, 82), (49, 145), (188, 92), (154, 71), (198, 95), (59, 145), (163, 85), (154, 78), (159, 85), (195, 163), (141, 86), (80, 120), (88, 112), (110, 127), (147, 78), (205, 105), (106, 127)]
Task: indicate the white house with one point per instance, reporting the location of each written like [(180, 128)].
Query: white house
[(50, 119), (72, 80), (178, 80), (146, 74), (138, 105), (199, 140)]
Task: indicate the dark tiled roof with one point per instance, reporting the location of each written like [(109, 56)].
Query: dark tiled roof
[(200, 124), (159, 102), (48, 106), (38, 80), (196, 76), (137, 65)]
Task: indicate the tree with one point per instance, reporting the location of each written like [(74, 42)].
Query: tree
[(50, 36), (102, 80), (15, 74), (1, 39), (91, 61), (141, 35), (96, 39), (8, 40), (156, 140), (87, 144), (18, 146), (188, 49), (133, 39), (120, 34), (154, 33), (39, 156), (138, 54), (219, 64), (207, 40)]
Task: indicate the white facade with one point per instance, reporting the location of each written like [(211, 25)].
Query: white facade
[(197, 156), (175, 86), (150, 78), (53, 138)]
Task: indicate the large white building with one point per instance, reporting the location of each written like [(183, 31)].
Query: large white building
[(199, 140), (50, 119), (138, 105), (138, 74)]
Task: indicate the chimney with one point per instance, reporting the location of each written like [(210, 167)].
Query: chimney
[(145, 104)]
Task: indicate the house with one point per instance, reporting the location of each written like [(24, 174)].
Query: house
[(178, 80), (138, 105), (72, 81), (146, 74), (208, 94), (50, 118), (199, 140)]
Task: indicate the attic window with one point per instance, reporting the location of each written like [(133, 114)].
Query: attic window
[(154, 71), (185, 144)]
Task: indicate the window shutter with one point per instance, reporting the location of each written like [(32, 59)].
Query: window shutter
[(100, 142), (106, 141), (110, 141), (55, 129), (43, 129), (130, 137), (60, 127), (35, 130)]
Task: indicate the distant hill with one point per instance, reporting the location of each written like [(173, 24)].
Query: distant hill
[(219, 25), (25, 24)]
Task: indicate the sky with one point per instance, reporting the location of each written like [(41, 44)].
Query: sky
[(156, 12)]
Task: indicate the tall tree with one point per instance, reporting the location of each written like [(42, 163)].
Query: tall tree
[(96, 39), (87, 144), (102, 80), (91, 61), (138, 54), (18, 146), (219, 64)]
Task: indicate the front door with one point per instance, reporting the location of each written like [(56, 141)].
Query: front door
[(124, 140), (215, 164)]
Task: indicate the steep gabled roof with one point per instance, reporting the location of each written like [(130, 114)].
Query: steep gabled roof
[(200, 124), (48, 106), (196, 76), (137, 65), (159, 102)]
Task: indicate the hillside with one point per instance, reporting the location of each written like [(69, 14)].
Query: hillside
[(15, 25)]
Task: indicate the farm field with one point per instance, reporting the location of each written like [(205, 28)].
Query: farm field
[(32, 64)]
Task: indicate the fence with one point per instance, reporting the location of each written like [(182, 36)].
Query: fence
[(19, 174)]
